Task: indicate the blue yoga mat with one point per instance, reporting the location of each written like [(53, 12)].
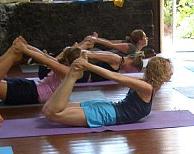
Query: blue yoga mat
[(187, 91), (6, 150), (40, 126)]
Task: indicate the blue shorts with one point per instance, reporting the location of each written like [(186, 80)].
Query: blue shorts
[(21, 91), (99, 113)]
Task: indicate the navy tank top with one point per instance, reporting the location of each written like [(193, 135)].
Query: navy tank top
[(93, 77), (96, 78), (132, 108)]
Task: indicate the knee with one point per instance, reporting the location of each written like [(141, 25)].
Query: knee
[(48, 113)]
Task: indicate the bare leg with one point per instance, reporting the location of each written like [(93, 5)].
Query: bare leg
[(60, 98), (57, 108), (8, 59)]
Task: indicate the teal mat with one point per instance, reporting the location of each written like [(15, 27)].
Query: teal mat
[(80, 96), (6, 150), (187, 91)]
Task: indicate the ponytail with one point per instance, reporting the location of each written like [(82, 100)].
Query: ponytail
[(138, 61)]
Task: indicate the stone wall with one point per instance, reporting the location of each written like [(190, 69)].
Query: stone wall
[(52, 26)]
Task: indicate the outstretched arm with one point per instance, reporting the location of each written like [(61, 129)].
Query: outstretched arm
[(41, 57), (108, 57), (123, 47), (134, 83)]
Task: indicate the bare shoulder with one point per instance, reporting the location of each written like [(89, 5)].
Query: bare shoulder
[(146, 93)]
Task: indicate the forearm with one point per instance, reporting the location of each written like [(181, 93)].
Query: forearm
[(104, 42), (123, 47), (48, 61), (39, 51), (104, 56), (127, 81)]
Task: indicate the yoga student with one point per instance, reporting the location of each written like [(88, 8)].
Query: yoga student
[(96, 113), (135, 42), (16, 91), (110, 61)]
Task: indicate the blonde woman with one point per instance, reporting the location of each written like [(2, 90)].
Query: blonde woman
[(96, 113)]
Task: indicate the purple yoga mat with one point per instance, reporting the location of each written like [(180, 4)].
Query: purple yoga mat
[(40, 126), (100, 83)]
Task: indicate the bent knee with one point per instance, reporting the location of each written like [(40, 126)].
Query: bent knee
[(49, 114)]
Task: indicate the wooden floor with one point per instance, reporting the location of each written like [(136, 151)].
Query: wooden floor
[(153, 141)]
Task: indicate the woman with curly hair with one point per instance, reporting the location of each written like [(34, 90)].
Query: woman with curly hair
[(97, 113)]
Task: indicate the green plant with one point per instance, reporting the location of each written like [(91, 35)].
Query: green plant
[(184, 16), (167, 12)]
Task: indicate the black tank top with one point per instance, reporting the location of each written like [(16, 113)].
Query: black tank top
[(93, 77), (96, 78), (132, 108)]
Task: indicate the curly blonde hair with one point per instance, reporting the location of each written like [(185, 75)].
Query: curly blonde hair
[(158, 71)]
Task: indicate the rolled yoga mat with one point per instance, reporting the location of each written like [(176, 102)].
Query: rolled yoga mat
[(40, 126)]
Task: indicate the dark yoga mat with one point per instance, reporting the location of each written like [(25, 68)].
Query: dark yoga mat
[(187, 91), (40, 126)]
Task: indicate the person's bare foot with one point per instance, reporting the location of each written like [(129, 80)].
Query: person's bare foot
[(86, 44), (19, 45), (23, 40), (76, 71)]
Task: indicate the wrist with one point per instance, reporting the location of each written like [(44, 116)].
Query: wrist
[(95, 39)]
